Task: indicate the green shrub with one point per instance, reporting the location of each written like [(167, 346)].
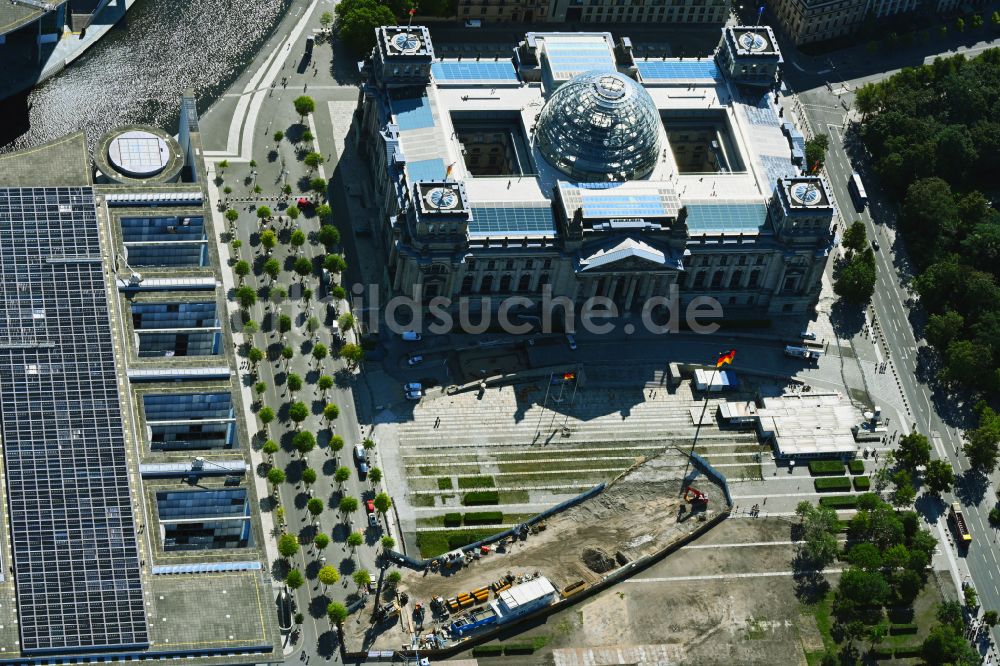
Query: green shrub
[(856, 466), (518, 648), (835, 483), (839, 501), (467, 482), (826, 467), (883, 652), (481, 498), (444, 483), (452, 520), (492, 650), (862, 483), (908, 651), (459, 539), (484, 518), (898, 629)]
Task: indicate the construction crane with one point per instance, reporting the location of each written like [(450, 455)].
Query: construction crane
[(694, 496)]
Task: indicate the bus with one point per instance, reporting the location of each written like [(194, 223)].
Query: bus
[(857, 189)]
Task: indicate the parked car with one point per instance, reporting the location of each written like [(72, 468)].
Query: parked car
[(411, 336), (303, 202), (359, 452), (414, 395), (413, 386), (362, 469), (571, 341), (474, 23), (370, 506), (808, 335), (415, 360), (372, 520)]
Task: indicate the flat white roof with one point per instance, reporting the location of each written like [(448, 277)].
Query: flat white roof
[(525, 593), (801, 423)]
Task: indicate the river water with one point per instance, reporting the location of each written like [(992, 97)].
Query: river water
[(137, 72)]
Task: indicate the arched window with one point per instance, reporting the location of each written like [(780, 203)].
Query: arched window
[(754, 279), (699, 279), (543, 279), (467, 282), (487, 284), (717, 279), (524, 283), (735, 279), (505, 281)]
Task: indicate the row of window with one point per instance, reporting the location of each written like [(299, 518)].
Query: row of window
[(509, 264), (506, 284), (724, 260), (697, 279), (629, 12)]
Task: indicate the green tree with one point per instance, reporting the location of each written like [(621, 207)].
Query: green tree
[(284, 324), (323, 211), (352, 353), (270, 448), (877, 633), (263, 212), (303, 266), (297, 239), (995, 20), (388, 543), (328, 234), (304, 442), (278, 136), (904, 493), (312, 325), (856, 238), (820, 526), (354, 539), (863, 587), (294, 382), (255, 355), (939, 476), (368, 443), (268, 239), (313, 159), (293, 212), (855, 280), (359, 21), (223, 165), (307, 136), (868, 99), (287, 353), (315, 506), (298, 412), (981, 442), (304, 105), (946, 645), (331, 412), (942, 328), (977, 21), (242, 269), (294, 579), (328, 575), (337, 613), (341, 475), (309, 476), (321, 541), (325, 19), (317, 185), (990, 618), (246, 296), (362, 578), (336, 444), (914, 451), (348, 505), (960, 24), (338, 293), (275, 476), (272, 268), (288, 545), (249, 327), (232, 215), (375, 476), (324, 383), (971, 596), (382, 503), (346, 322), (334, 263), (816, 148), (260, 388), (266, 415), (866, 556)]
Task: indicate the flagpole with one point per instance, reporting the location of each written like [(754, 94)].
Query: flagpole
[(708, 389)]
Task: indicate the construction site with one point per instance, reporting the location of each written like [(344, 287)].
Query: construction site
[(644, 513)]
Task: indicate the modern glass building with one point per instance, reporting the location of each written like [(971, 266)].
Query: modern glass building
[(189, 421), (204, 519), (176, 329), (164, 241)]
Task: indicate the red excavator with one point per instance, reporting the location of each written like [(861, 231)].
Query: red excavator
[(694, 496)]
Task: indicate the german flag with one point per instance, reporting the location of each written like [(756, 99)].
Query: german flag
[(726, 359)]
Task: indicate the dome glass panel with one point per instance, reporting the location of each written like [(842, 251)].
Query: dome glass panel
[(600, 126)]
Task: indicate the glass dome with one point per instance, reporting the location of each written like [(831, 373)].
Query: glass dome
[(600, 126)]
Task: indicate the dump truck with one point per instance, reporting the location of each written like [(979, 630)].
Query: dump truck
[(959, 524)]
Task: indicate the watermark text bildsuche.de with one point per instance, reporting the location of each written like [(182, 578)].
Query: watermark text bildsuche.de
[(519, 315)]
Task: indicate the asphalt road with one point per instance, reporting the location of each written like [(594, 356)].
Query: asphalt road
[(937, 416)]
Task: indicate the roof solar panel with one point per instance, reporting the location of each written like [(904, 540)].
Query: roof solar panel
[(676, 69), (628, 205), (568, 57), (412, 112), (472, 70), (76, 561), (509, 219), (725, 217)]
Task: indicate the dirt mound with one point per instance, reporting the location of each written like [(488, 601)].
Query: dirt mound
[(598, 560)]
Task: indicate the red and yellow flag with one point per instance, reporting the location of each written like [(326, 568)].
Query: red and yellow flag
[(726, 359), (447, 172)]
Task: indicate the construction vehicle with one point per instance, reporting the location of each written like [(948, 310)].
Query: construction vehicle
[(694, 496), (958, 522)]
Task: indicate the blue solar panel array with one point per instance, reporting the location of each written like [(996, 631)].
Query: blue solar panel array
[(471, 70), (569, 56), (76, 557), (205, 567), (432, 169), (412, 112), (499, 220), (673, 69), (730, 218), (626, 205)]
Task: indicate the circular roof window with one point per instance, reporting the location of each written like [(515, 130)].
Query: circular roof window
[(753, 41), (138, 153), (406, 41), (441, 198), (807, 194)]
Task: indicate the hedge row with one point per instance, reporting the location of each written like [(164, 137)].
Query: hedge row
[(862, 483), (487, 651), (452, 520), (901, 652), (432, 544), (826, 467), (484, 518), (481, 498), (835, 483), (509, 649), (468, 482), (856, 466), (444, 483), (840, 501), (897, 629)]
